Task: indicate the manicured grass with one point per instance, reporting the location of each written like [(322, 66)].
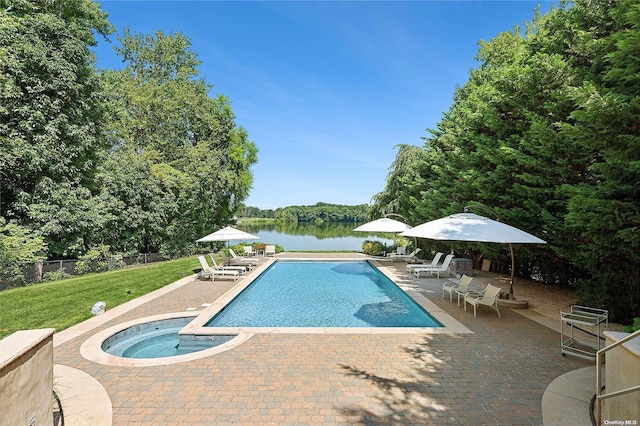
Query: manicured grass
[(61, 304)]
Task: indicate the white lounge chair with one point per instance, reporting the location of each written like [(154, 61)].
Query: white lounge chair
[(270, 250), (488, 297), (433, 263), (405, 257), (236, 261), (208, 271), (399, 251), (252, 261), (434, 270), (240, 269)]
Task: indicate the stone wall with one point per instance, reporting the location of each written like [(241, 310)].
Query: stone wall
[(26, 378), (622, 371)]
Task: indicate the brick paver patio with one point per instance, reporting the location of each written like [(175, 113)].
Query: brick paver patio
[(495, 376)]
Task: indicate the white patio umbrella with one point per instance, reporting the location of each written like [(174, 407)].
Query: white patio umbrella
[(227, 234), (383, 225), (473, 227)]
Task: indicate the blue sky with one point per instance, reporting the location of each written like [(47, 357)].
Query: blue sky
[(326, 90)]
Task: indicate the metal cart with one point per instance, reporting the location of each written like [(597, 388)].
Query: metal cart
[(583, 342)]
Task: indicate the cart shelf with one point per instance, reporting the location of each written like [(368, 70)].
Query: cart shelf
[(583, 337)]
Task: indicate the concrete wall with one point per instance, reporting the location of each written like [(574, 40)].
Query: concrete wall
[(622, 371), (26, 378)]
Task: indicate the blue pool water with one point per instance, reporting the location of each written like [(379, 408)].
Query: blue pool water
[(322, 294)]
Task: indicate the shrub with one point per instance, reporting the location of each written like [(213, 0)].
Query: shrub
[(19, 248), (372, 248), (98, 259), (633, 328), (55, 275)]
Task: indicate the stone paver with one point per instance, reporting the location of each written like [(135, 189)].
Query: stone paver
[(496, 376)]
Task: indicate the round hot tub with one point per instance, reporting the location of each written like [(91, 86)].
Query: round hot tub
[(155, 340), (158, 339)]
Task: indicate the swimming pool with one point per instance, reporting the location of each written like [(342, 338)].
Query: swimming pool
[(322, 294)]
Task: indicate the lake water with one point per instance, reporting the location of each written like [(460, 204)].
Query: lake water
[(314, 237)]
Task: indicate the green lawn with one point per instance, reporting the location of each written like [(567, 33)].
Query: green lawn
[(61, 304)]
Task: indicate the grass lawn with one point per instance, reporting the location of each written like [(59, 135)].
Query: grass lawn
[(61, 304)]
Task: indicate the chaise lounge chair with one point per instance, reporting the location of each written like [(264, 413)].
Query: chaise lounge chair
[(459, 286), (405, 257), (240, 269), (400, 251), (236, 261), (434, 270), (434, 263), (488, 297), (210, 272), (241, 260)]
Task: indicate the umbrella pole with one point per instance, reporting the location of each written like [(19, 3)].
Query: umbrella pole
[(513, 270)]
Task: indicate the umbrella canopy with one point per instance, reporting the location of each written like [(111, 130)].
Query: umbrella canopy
[(383, 225), (473, 227), (228, 233)]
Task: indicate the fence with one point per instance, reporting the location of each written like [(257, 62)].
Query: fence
[(38, 272)]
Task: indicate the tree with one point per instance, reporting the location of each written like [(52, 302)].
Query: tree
[(545, 132), (19, 248), (50, 106), (404, 184), (50, 117), (179, 165), (604, 208)]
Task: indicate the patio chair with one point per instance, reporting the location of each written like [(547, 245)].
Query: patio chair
[(240, 269), (242, 260), (434, 262), (434, 270), (405, 257), (209, 272), (460, 286), (488, 297), (270, 250), (248, 251)]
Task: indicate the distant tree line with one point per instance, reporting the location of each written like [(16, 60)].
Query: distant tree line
[(139, 159), (323, 212), (319, 212), (546, 132), (255, 212)]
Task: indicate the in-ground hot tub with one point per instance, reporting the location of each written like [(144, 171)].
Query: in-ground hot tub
[(158, 339)]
